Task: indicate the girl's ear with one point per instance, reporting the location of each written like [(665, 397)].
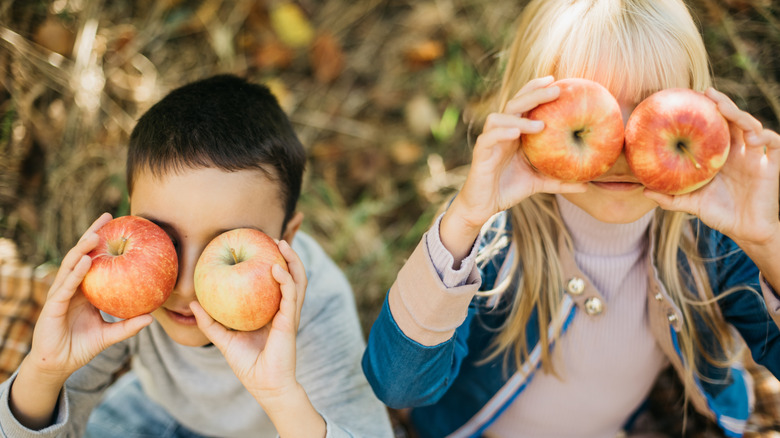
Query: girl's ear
[(292, 227)]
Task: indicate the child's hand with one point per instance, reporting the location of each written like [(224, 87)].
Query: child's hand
[(264, 359), (500, 176), (742, 200), (70, 331)]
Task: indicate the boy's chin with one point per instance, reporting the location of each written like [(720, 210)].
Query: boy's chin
[(190, 339)]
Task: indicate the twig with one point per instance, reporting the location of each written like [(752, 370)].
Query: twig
[(749, 67)]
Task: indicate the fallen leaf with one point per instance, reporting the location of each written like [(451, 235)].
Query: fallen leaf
[(273, 55), (423, 53), (291, 25), (326, 58), (405, 151)]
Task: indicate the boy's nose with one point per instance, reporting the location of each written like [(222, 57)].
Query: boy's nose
[(185, 283)]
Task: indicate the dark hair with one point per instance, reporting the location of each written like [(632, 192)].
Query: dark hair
[(223, 122)]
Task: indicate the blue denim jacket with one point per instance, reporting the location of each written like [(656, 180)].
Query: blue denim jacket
[(454, 394)]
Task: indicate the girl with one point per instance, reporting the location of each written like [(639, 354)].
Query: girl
[(591, 289)]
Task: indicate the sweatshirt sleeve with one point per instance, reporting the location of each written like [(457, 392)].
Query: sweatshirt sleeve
[(329, 346), (419, 339), (82, 391)]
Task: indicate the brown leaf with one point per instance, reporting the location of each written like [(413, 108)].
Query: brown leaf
[(366, 164), (273, 55), (423, 53), (326, 58), (405, 151)]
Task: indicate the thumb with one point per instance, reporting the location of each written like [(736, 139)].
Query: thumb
[(119, 331), (682, 203), (213, 330)]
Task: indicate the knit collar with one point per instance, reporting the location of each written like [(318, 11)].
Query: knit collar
[(591, 236)]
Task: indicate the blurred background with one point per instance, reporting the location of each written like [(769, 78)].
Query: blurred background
[(381, 92)]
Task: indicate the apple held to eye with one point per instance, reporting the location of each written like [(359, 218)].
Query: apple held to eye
[(583, 132), (233, 280), (134, 268), (676, 141)]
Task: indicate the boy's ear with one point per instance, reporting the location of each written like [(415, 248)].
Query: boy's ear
[(293, 225)]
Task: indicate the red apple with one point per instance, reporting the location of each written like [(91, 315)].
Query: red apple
[(134, 268), (676, 141), (583, 132), (233, 280)]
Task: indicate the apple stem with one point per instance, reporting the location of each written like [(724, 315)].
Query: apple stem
[(122, 246), (235, 257), (683, 147)]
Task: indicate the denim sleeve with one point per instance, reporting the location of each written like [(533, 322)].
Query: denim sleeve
[(729, 268), (405, 373)]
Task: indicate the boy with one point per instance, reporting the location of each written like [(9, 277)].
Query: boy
[(211, 156)]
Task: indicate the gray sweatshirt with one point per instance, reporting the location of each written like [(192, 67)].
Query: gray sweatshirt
[(197, 387)]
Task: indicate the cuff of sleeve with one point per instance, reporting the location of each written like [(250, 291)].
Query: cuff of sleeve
[(10, 425), (443, 260), (771, 298), (423, 307)]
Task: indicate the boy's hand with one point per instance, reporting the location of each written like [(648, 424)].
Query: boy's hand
[(69, 333), (742, 200), (264, 359)]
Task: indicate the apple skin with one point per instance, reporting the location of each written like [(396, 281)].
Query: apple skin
[(676, 141), (233, 280), (135, 278), (583, 132)]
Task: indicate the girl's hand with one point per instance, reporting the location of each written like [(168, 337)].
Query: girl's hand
[(70, 331), (264, 359), (741, 201), (500, 176)]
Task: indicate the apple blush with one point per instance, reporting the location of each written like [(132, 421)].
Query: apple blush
[(676, 141), (233, 279), (134, 268), (583, 132)]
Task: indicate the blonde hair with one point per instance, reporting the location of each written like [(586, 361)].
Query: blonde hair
[(633, 47)]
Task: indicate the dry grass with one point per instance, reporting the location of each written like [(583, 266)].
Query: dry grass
[(76, 75), (378, 97)]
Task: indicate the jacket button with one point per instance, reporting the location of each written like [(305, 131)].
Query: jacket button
[(593, 306), (658, 296), (576, 286), (672, 317)]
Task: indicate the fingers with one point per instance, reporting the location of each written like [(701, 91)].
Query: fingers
[(86, 243), (292, 283), (498, 121), (533, 94), (766, 137), (216, 332), (70, 282), (732, 113), (671, 203), (99, 222)]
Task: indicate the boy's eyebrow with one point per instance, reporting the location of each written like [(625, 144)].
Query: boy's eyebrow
[(170, 227), (158, 222)]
